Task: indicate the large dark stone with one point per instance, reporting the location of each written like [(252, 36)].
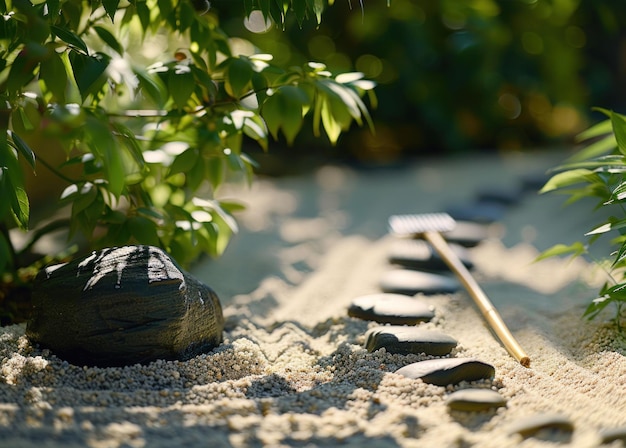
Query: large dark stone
[(121, 306)]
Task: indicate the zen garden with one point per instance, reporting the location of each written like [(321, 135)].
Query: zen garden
[(303, 223)]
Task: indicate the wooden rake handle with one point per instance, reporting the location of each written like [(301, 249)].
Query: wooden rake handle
[(480, 298)]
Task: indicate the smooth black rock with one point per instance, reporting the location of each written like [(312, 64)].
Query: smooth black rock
[(122, 306), (419, 255), (394, 309), (404, 340), (500, 195), (480, 212), (530, 426), (405, 281), (467, 234), (475, 400), (445, 371), (613, 434)]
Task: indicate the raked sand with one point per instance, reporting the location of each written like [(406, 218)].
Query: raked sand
[(292, 370)]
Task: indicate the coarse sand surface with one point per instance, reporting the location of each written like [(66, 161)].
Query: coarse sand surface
[(292, 370)]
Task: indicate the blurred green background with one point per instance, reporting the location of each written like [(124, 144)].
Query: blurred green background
[(456, 75)]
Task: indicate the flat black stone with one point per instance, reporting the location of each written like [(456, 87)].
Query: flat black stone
[(419, 255), (467, 234), (394, 309), (613, 434), (404, 340), (405, 281), (445, 371), (530, 426), (500, 195), (475, 400), (479, 212)]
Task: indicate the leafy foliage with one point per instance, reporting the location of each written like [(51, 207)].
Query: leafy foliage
[(598, 171), (148, 131), (461, 75)]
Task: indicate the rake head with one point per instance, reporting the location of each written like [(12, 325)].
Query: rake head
[(414, 225)]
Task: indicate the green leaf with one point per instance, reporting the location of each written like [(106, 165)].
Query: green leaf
[(100, 139), (598, 129), (238, 76), (144, 230), (143, 12), (20, 206), (181, 85), (52, 73), (299, 8), (109, 39), (283, 110), (318, 9), (265, 8), (23, 67), (215, 171), (612, 224), (255, 128), (597, 305), (576, 249), (89, 72), (184, 161), (598, 148), (70, 38), (619, 129), (131, 143), (81, 198), (110, 6), (23, 149), (152, 86), (166, 7), (54, 6), (566, 178), (331, 125), (196, 175), (248, 7)]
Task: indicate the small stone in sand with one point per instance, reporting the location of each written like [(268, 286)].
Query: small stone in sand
[(405, 281), (404, 340), (418, 254), (500, 195), (394, 309), (442, 372), (475, 400), (613, 435), (554, 423), (480, 212), (467, 234)]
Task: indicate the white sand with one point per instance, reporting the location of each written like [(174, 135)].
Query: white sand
[(292, 370)]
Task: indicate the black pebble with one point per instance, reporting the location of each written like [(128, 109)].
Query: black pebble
[(391, 309), (405, 281), (419, 255), (402, 339), (445, 371)]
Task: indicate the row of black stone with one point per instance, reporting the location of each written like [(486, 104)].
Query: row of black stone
[(420, 271), (400, 311)]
